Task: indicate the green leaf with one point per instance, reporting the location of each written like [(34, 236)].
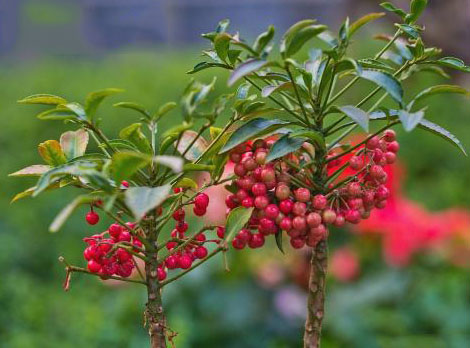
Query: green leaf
[(416, 8), (385, 80), (314, 136), (245, 68), (278, 237), (268, 90), (236, 220), (74, 144), (284, 146), (290, 33), (254, 128), (52, 153), (348, 64), (443, 133), (198, 145), (141, 200), (439, 89), (222, 45), (94, 99), (60, 114), (206, 65), (46, 99), (164, 109), (173, 162), (374, 64), (62, 217), (363, 21), (133, 106), (452, 62), (222, 26), (411, 31), (134, 134), (410, 120), (187, 183), (26, 193), (357, 115), (264, 39), (34, 170), (125, 164), (301, 37), (193, 167), (77, 109), (195, 94), (392, 8)]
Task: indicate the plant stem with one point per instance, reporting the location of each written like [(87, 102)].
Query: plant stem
[(304, 112), (316, 295)]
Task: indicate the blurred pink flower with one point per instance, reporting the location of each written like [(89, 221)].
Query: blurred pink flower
[(344, 264)]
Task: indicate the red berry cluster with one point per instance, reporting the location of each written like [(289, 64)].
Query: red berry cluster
[(282, 201), (105, 260), (195, 250)]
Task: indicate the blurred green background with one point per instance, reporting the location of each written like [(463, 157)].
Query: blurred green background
[(260, 303)]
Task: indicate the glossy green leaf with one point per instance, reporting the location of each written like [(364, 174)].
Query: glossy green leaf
[(264, 39), (369, 63), (385, 80), (410, 120), (34, 170), (409, 30), (125, 164), (94, 99), (26, 193), (206, 65), (187, 183), (133, 106), (59, 114), (46, 99), (196, 167), (348, 64), (196, 144), (301, 37), (164, 109), (134, 134), (268, 90), (357, 115), (452, 62), (74, 144), (292, 31), (51, 152), (141, 200), (254, 128), (63, 216), (284, 146), (314, 137), (236, 220), (278, 236), (439, 89), (77, 109), (363, 21), (416, 9), (222, 44), (443, 133), (246, 68), (392, 8)]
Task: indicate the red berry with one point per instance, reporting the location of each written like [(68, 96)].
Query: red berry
[(201, 237), (390, 157), (177, 189), (125, 236), (260, 156), (221, 232), (185, 261), (92, 218), (179, 215), (238, 244), (271, 211), (356, 162), (259, 189), (201, 200), (125, 269), (297, 243), (314, 219), (248, 202), (257, 241), (230, 202), (373, 143), (319, 202), (390, 135), (172, 262), (199, 211), (244, 235), (340, 220), (161, 274), (329, 216), (182, 227), (382, 193), (200, 252), (123, 255), (115, 230), (286, 206), (93, 266), (353, 216), (241, 195), (354, 189), (239, 170), (286, 224), (299, 223), (268, 175), (261, 202), (393, 147), (125, 184), (249, 164), (299, 208), (282, 192), (302, 195), (88, 253)]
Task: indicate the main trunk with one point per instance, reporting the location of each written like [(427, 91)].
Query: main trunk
[(154, 315), (316, 295)]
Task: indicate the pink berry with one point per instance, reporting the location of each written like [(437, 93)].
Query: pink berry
[(390, 135), (201, 200), (302, 195), (373, 143), (259, 189), (161, 274), (239, 170), (353, 216), (199, 211), (314, 219), (221, 232), (200, 252), (390, 157), (286, 206), (238, 244), (286, 224), (125, 184), (257, 241), (248, 202), (125, 236), (185, 261), (354, 189), (394, 146), (123, 255), (319, 202), (261, 202), (115, 230), (299, 223), (268, 175), (297, 243), (244, 235), (356, 162), (299, 208), (282, 192), (328, 216), (93, 266), (271, 211)]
